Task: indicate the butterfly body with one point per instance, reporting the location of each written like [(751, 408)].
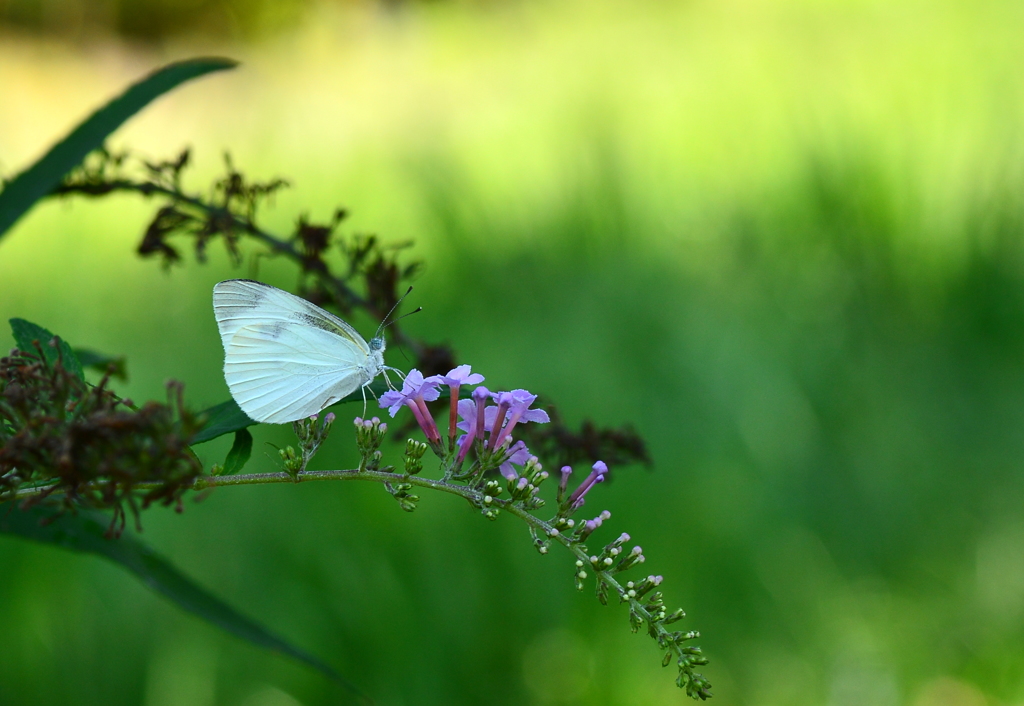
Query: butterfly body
[(285, 358)]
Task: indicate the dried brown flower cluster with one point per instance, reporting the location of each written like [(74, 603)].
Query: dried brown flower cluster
[(87, 447)]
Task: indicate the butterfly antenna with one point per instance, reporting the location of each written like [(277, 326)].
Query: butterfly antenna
[(384, 324), (408, 313)]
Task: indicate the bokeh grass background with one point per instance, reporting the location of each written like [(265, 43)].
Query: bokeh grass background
[(784, 239)]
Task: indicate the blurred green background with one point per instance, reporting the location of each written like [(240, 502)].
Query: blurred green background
[(784, 239)]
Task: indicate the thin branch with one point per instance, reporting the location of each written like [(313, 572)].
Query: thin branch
[(279, 245), (340, 290)]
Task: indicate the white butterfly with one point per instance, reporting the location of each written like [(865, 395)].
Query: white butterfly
[(285, 358)]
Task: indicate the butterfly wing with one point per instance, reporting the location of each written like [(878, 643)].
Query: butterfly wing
[(285, 358), (244, 302), (280, 372)]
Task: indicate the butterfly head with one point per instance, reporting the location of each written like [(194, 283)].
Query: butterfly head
[(375, 361)]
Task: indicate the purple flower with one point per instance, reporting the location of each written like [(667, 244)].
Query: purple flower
[(415, 393), (414, 386), (473, 420), (497, 419), (480, 396), (517, 406), (597, 475), (462, 375), (518, 454), (563, 482), (467, 410)]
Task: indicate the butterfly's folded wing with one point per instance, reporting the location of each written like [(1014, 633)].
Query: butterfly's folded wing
[(244, 302), (280, 372)]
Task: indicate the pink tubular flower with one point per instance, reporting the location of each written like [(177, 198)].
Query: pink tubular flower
[(456, 378), (480, 397), (519, 402), (597, 475), (497, 420), (468, 412), (473, 413), (415, 393), (563, 481)]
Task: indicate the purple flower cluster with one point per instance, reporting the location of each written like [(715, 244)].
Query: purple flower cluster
[(490, 424), (485, 421), (415, 393)]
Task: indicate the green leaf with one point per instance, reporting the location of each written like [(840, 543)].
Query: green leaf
[(228, 417), (25, 332), (224, 418), (85, 532), (37, 181), (240, 452), (101, 362)]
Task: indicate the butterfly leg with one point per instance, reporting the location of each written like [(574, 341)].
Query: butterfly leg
[(398, 372), (366, 387)]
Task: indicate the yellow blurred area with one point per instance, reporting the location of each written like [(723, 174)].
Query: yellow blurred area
[(698, 102)]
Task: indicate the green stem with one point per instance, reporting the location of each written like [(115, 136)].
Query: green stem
[(204, 482), (602, 574)]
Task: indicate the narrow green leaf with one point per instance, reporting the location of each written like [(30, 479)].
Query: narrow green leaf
[(101, 362), (227, 417), (224, 418), (25, 332), (34, 183), (240, 452), (85, 532)]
